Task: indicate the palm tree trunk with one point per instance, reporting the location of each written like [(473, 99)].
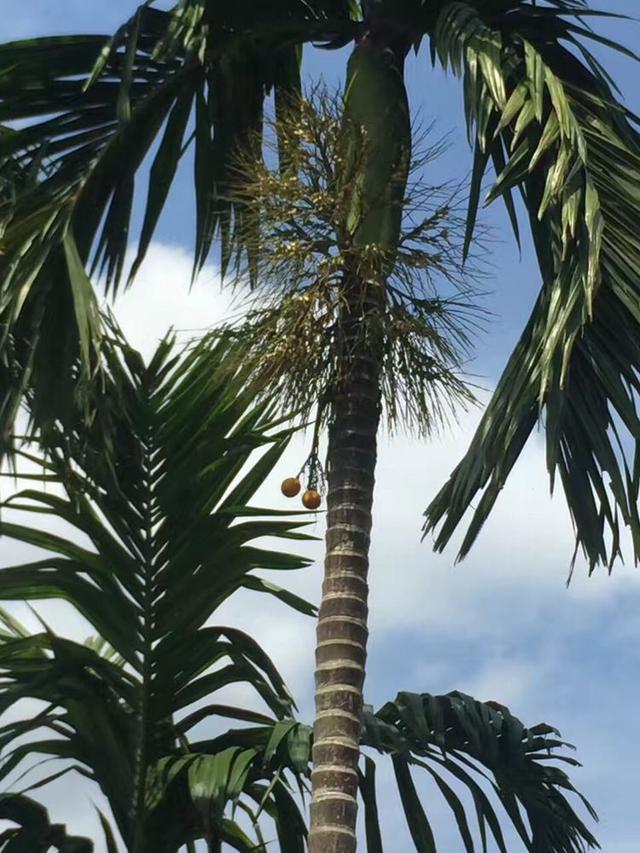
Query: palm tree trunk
[(375, 168), (342, 623)]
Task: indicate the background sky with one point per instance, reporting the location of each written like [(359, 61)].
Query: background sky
[(501, 625)]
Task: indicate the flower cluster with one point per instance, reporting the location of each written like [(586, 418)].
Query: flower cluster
[(415, 303)]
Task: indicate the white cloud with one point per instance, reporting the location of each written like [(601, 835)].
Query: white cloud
[(162, 298), (506, 680)]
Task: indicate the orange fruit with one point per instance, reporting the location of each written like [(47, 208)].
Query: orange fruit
[(290, 487), (311, 499)]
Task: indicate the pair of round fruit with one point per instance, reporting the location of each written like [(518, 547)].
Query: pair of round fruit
[(311, 499)]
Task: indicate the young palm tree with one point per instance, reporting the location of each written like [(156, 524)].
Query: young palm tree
[(157, 483), (540, 110)]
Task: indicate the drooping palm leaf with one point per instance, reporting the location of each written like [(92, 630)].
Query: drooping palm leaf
[(84, 114), (462, 742), (170, 537), (49, 334), (33, 832), (543, 111), (196, 76)]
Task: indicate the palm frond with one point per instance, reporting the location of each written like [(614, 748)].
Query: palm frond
[(542, 110), (84, 115), (461, 742), (157, 483), (49, 334), (190, 76), (34, 833)]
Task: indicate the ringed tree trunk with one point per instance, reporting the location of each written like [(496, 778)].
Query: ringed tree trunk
[(376, 108), (342, 621)]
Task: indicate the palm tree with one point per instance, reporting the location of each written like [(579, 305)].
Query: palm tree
[(164, 508), (540, 110), (171, 536)]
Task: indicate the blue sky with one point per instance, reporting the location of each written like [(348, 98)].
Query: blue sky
[(501, 625)]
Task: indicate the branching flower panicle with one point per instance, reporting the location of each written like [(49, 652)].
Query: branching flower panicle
[(418, 308)]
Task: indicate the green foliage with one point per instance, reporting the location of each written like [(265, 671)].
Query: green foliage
[(542, 110), (456, 739), (134, 454), (170, 536), (49, 326), (107, 100), (475, 752), (89, 110), (33, 832)]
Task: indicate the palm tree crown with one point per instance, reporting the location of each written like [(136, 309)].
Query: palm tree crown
[(541, 111)]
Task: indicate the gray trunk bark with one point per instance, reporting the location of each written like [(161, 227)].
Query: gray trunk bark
[(342, 622)]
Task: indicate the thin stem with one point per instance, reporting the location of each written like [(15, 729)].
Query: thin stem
[(148, 570)]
